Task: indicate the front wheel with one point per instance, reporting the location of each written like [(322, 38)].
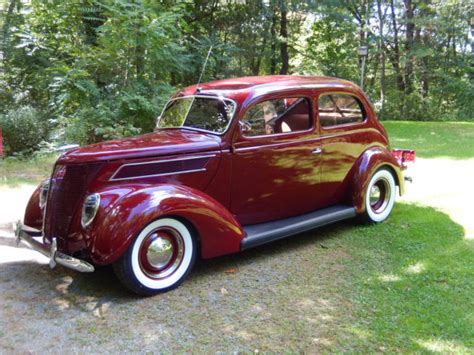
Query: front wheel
[(379, 196), (159, 259)]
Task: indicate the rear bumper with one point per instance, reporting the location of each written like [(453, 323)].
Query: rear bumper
[(33, 238)]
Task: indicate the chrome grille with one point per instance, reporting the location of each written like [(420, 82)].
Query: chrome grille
[(68, 186)]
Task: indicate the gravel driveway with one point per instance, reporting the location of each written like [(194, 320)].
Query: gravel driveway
[(253, 301)]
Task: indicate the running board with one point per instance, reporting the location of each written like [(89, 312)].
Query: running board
[(259, 234)]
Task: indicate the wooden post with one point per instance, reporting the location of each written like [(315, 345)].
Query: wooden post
[(363, 52)]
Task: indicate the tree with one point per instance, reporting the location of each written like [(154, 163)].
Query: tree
[(100, 69)]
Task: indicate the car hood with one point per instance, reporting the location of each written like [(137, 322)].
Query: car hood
[(161, 142)]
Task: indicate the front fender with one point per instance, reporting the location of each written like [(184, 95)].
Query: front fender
[(367, 164), (33, 214), (114, 229)]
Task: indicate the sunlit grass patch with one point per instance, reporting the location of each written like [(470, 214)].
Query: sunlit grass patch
[(433, 139), (413, 282), (15, 171)]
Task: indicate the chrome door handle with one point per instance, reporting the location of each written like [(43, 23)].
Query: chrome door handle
[(317, 151)]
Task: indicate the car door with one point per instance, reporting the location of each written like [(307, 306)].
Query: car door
[(342, 118), (276, 161)]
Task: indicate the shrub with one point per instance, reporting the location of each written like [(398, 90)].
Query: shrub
[(96, 124), (24, 129)]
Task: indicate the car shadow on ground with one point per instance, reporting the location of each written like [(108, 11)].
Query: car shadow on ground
[(29, 273), (283, 247)]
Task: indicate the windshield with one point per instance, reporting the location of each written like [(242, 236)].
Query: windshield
[(198, 112)]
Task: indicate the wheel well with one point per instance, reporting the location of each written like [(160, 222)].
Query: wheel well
[(392, 171)]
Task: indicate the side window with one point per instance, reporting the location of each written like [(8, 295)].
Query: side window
[(277, 116), (339, 109)]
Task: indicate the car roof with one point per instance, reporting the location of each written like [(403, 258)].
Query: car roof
[(240, 88)]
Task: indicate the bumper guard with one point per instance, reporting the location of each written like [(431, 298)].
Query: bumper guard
[(32, 238)]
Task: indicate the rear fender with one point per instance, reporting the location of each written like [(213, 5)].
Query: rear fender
[(368, 163), (116, 226)]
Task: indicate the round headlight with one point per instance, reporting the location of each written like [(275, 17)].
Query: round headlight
[(44, 193), (89, 209)]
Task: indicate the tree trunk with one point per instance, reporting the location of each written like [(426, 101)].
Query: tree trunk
[(283, 39), (363, 36), (395, 60), (410, 31), (381, 18), (258, 61), (425, 78), (6, 32), (363, 22), (273, 40)]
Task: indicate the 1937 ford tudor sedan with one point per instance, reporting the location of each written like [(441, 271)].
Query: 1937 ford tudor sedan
[(232, 164)]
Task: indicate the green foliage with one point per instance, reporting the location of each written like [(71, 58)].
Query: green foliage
[(104, 68), (24, 129), (330, 49), (94, 124)]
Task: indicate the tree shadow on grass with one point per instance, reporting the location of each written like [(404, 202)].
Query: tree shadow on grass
[(414, 283)]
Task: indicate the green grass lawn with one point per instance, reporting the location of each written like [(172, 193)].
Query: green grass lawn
[(433, 139), (26, 171), (411, 282)]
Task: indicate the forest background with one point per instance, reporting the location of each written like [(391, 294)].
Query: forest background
[(83, 71)]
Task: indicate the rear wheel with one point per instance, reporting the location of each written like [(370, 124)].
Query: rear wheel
[(159, 259), (379, 196)]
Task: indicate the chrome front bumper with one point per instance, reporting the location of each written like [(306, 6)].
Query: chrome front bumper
[(32, 238)]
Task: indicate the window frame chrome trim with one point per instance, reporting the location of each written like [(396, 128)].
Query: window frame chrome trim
[(213, 97), (284, 134), (343, 125)]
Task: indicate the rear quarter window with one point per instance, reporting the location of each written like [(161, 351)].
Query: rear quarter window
[(336, 109)]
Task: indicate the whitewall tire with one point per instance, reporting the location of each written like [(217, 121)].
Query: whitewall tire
[(159, 259), (379, 196)]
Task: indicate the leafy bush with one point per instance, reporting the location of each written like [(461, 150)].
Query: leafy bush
[(24, 129), (95, 124), (115, 114)]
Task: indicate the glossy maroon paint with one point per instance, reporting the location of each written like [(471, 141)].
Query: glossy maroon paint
[(241, 180), (113, 231), (33, 214), (159, 143)]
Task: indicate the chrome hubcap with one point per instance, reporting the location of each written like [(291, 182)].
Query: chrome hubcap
[(374, 194), (160, 252), (379, 196)]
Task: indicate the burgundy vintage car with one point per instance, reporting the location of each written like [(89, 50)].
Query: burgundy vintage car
[(233, 164)]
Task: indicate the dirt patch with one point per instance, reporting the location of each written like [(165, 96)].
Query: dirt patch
[(12, 203), (447, 185), (261, 305)]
